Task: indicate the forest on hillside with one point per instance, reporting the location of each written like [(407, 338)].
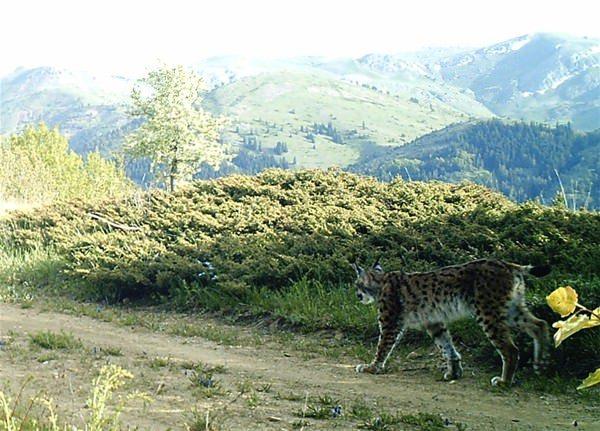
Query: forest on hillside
[(522, 160)]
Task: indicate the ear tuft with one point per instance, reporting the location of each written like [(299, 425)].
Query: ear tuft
[(357, 268), (377, 266)]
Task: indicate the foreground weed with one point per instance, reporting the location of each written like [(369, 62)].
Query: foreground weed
[(424, 421), (159, 362), (55, 341), (419, 421), (38, 413), (204, 421), (110, 379), (205, 384)]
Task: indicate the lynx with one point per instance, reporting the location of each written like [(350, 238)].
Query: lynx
[(491, 290)]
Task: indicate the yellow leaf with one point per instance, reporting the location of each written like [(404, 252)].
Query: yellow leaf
[(574, 324), (591, 380), (563, 300)]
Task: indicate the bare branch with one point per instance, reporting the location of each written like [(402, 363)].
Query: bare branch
[(114, 224)]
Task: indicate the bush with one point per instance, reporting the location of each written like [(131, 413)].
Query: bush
[(37, 166)]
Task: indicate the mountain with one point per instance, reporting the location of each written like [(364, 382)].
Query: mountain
[(85, 106), (403, 78), (542, 77), (523, 160), (323, 111)]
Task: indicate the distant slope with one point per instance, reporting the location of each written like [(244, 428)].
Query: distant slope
[(542, 77), (518, 159), (277, 107)]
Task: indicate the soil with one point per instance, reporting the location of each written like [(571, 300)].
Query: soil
[(262, 387)]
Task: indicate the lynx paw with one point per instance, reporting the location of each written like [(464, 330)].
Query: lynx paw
[(455, 371), (368, 368), (497, 381)]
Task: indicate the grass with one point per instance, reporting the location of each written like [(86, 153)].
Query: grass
[(47, 357), (55, 340), (24, 272), (206, 420), (417, 421), (368, 417), (159, 362), (111, 351)]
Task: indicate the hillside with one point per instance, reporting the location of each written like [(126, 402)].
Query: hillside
[(519, 159), (277, 107)]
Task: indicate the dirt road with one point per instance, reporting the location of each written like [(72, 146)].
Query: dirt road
[(259, 387)]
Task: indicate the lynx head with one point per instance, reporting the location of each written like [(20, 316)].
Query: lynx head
[(368, 282)]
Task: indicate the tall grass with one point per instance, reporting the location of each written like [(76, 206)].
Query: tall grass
[(314, 305), (23, 272)]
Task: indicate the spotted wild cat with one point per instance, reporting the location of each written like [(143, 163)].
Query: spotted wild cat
[(491, 290)]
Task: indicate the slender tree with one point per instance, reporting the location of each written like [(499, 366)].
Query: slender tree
[(177, 135)]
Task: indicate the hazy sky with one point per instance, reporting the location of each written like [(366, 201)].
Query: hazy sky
[(127, 36)]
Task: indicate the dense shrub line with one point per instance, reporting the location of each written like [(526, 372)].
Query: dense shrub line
[(238, 235)]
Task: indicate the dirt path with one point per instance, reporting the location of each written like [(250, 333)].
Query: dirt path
[(261, 387)]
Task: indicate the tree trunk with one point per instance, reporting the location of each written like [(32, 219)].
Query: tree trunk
[(172, 176)]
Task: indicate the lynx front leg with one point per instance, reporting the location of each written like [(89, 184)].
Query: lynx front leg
[(389, 335)]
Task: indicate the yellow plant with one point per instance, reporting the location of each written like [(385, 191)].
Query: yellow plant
[(564, 302)]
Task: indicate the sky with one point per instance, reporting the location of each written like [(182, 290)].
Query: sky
[(128, 36)]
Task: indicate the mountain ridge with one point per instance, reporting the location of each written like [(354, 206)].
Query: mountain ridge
[(373, 102)]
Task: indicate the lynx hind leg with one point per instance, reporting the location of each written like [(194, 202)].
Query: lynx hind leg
[(496, 329), (443, 341), (522, 319)]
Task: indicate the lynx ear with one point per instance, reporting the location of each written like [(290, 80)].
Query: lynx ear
[(377, 266)]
